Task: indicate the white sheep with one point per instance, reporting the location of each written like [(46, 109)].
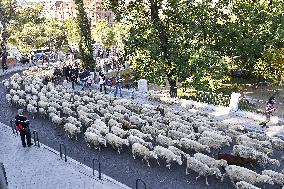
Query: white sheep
[(43, 104), (165, 141), (225, 139), (136, 132), (152, 130), (113, 122), (212, 142), (177, 151), (243, 174), (56, 119), (201, 168), (15, 99), (140, 150), (168, 155), (51, 110), (278, 178), (116, 142), (118, 131), (9, 98), (177, 135), (72, 130), (258, 136), (211, 162), (42, 111), (277, 143), (257, 147), (95, 140), (33, 102), (134, 139), (74, 121), (67, 111), (31, 108), (136, 120), (266, 144), (22, 102), (193, 145), (248, 152), (245, 185)]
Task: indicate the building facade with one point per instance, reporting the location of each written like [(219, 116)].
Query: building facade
[(64, 10)]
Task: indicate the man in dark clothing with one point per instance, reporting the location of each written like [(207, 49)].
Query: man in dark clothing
[(270, 108), (22, 124)]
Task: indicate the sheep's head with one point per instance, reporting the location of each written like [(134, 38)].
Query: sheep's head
[(102, 141), (178, 160), (216, 171), (125, 141), (153, 155), (223, 163), (274, 162), (265, 179), (207, 149)]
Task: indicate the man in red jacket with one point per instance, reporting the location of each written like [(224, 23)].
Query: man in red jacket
[(22, 124)]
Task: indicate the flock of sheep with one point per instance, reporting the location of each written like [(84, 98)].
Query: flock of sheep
[(160, 134)]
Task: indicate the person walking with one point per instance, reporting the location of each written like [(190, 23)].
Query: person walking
[(102, 82), (22, 125), (117, 85), (270, 108)]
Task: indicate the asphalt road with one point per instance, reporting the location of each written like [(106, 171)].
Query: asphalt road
[(121, 167)]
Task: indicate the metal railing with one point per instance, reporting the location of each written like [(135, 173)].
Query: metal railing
[(3, 177), (13, 126), (100, 171), (137, 183), (61, 154), (36, 140)]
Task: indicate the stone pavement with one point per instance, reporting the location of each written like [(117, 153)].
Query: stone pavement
[(41, 167)]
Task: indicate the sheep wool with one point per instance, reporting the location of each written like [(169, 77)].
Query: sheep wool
[(94, 140), (116, 142), (72, 130), (243, 174), (168, 155), (140, 150), (201, 168), (278, 178), (211, 162), (193, 145), (245, 185)]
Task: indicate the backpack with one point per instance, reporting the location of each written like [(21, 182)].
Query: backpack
[(109, 82), (20, 127)]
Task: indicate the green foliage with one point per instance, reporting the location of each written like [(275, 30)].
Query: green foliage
[(202, 40), (85, 45), (105, 34), (271, 66), (72, 30), (30, 30)]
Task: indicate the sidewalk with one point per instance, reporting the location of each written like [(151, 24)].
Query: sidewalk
[(42, 168)]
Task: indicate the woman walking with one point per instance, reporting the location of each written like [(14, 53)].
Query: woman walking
[(270, 108)]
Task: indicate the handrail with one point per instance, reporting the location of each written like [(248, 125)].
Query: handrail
[(64, 151), (36, 140), (3, 177), (137, 181), (13, 126), (100, 171)]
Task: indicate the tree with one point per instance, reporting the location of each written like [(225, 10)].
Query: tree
[(7, 9), (105, 33), (85, 45), (72, 29), (31, 30)]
